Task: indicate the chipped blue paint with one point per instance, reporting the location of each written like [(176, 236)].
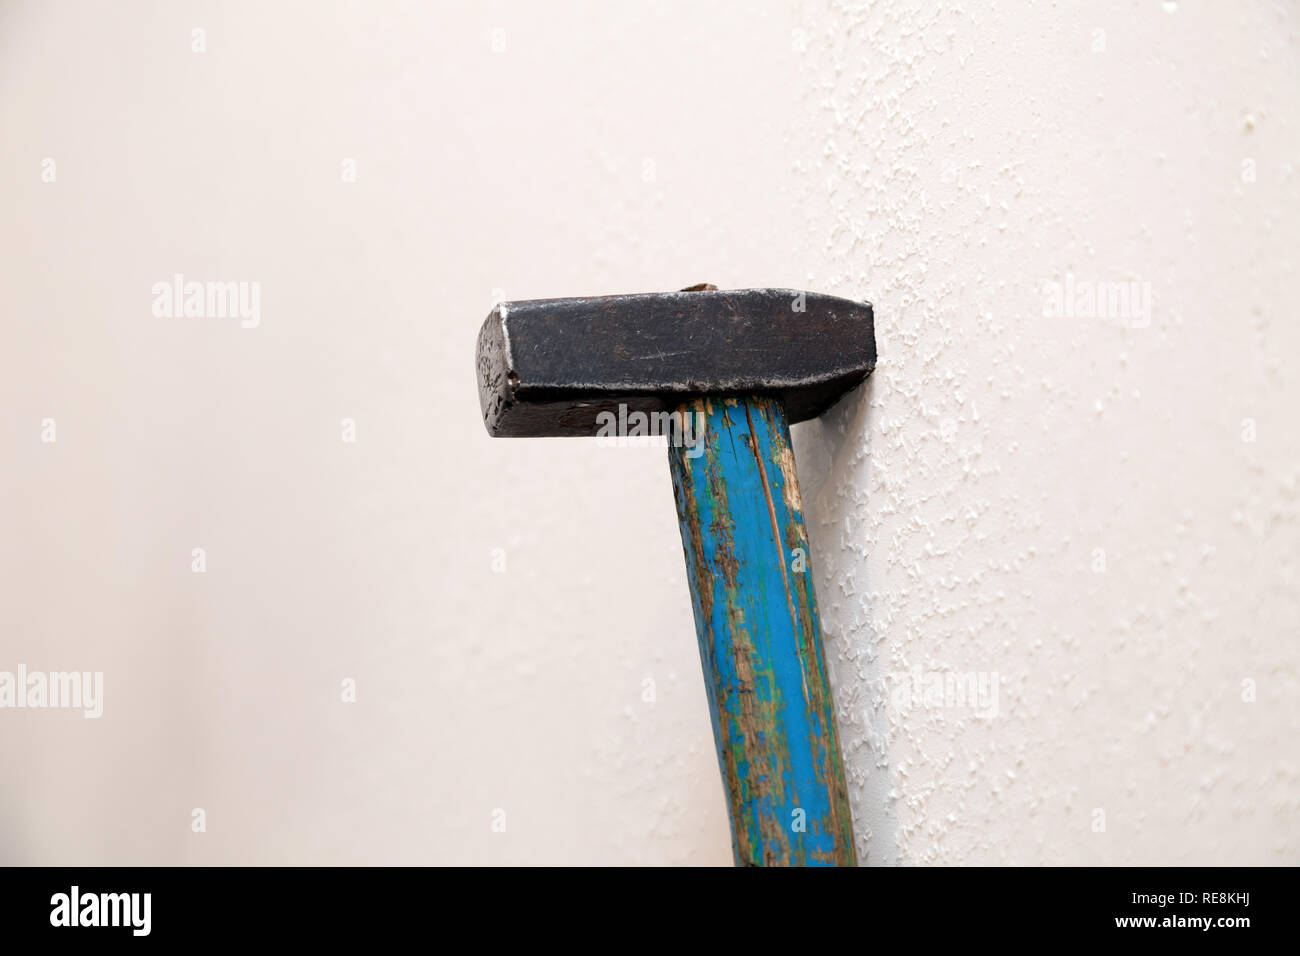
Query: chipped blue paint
[(756, 620)]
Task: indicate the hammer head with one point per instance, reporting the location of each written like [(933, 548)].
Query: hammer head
[(551, 366)]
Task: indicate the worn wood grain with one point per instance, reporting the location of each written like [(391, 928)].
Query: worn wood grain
[(760, 641)]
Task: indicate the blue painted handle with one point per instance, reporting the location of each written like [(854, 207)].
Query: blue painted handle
[(756, 618)]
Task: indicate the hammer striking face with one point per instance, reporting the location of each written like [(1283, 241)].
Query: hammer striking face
[(549, 367)]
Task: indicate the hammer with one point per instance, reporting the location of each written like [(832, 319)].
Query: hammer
[(721, 375)]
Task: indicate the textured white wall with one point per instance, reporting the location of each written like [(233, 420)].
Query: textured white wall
[(960, 157), (942, 163)]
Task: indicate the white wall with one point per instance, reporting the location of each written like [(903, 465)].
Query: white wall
[(966, 504), (944, 165)]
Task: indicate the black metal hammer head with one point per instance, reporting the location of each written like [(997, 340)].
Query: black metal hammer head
[(551, 366)]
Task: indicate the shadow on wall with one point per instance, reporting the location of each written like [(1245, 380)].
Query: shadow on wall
[(834, 459)]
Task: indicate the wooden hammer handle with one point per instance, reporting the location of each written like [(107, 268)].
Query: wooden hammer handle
[(760, 641)]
